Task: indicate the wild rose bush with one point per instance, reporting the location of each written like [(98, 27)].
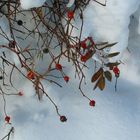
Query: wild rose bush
[(48, 35)]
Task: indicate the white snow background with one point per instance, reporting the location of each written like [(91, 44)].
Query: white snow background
[(116, 115)]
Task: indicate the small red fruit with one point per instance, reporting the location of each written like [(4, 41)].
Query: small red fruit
[(70, 15), (20, 93), (30, 75), (83, 44), (83, 58), (66, 78), (58, 66), (116, 70), (63, 119), (7, 119), (92, 103)]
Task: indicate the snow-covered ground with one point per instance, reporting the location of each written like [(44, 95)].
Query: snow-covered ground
[(116, 115)]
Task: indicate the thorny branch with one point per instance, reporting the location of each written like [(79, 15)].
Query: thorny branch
[(49, 39), (7, 137)]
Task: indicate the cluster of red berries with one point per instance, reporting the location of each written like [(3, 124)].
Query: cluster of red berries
[(59, 67), (87, 43)]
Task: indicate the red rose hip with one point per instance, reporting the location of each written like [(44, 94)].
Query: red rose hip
[(20, 93), (116, 70), (58, 66), (7, 119), (66, 78), (83, 44), (63, 119), (30, 75), (83, 58), (92, 103), (70, 15)]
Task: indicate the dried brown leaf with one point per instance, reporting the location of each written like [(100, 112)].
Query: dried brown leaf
[(112, 64), (107, 46), (97, 75), (113, 54), (101, 83), (108, 75)]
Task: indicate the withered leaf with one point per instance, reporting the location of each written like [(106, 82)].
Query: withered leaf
[(39, 12), (97, 75), (113, 54), (100, 83), (102, 43), (112, 64), (108, 75), (108, 46)]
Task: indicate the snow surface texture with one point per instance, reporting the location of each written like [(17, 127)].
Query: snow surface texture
[(27, 4), (116, 116), (70, 3)]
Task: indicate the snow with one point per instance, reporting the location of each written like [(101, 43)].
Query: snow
[(27, 4), (116, 115), (70, 3), (4, 27)]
